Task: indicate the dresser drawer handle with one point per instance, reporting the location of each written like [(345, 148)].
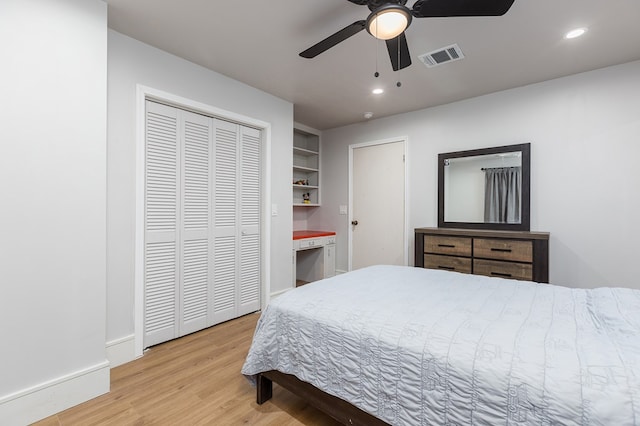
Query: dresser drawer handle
[(448, 268), (499, 274), (447, 245), (501, 250)]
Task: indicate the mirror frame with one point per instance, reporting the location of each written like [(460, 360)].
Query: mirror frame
[(524, 224)]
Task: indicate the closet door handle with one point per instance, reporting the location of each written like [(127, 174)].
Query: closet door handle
[(354, 222)]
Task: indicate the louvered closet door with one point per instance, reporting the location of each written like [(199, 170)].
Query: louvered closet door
[(177, 222), (202, 222), (236, 259), (249, 295), (161, 224), (225, 223), (196, 216)]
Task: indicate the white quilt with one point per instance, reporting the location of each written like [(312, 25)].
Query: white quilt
[(416, 346)]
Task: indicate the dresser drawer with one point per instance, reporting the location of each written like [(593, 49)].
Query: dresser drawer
[(448, 263), (514, 250), (458, 246), (493, 268)]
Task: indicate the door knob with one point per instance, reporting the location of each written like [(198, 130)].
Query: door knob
[(354, 222)]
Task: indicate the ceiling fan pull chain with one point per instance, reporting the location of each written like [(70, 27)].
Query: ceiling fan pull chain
[(377, 74), (398, 84)]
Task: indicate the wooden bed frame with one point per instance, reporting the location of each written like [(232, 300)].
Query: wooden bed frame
[(335, 407)]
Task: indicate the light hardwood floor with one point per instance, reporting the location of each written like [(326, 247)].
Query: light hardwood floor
[(194, 380)]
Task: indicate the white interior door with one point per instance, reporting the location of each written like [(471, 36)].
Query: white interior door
[(378, 204)]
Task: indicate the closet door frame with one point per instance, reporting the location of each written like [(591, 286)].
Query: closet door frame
[(144, 93)]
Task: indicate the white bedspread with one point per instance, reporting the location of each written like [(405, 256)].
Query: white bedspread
[(415, 346)]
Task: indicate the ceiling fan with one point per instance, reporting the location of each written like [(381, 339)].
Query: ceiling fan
[(390, 18)]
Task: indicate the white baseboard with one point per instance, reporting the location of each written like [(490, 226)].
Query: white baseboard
[(51, 397), (340, 271), (120, 351), (279, 293)]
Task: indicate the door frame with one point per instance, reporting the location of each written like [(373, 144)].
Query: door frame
[(144, 93), (352, 147)]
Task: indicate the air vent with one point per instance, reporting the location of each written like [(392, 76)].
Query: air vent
[(442, 56)]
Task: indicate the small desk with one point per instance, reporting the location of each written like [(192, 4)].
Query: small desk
[(313, 256)]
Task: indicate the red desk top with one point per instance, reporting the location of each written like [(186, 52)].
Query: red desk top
[(298, 235)]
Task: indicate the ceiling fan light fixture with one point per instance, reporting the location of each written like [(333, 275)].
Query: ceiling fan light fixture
[(575, 33), (388, 21)]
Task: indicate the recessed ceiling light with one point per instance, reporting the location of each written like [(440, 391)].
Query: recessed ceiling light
[(575, 33), (377, 91)]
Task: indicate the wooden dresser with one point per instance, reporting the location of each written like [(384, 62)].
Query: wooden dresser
[(509, 254)]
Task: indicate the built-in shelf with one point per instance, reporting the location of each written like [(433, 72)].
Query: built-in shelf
[(306, 169), (302, 151)]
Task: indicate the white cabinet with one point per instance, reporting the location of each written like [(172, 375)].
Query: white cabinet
[(314, 259), (306, 169), (329, 260)]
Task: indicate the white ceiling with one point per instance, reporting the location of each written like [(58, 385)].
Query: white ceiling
[(257, 42)]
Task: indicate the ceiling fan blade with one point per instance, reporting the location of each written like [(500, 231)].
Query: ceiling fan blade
[(333, 39), (446, 8), (399, 52)]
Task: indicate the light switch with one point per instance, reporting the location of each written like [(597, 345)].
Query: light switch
[(274, 210), (343, 209)]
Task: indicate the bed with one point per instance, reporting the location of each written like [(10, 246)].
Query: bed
[(412, 346)]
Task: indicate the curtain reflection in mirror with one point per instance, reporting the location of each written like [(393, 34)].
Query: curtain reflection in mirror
[(503, 187)]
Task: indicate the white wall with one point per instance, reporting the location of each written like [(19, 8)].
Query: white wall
[(132, 62), (53, 215), (584, 132)]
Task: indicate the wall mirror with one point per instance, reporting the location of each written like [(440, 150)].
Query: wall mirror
[(485, 188)]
